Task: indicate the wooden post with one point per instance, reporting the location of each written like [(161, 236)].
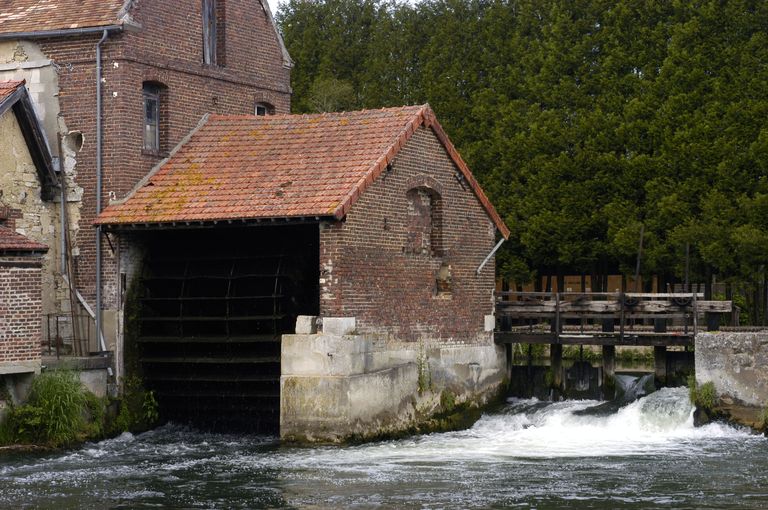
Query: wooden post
[(695, 315), (609, 372), (556, 365), (621, 317), (660, 365)]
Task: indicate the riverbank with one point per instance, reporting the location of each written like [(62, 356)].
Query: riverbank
[(528, 453), (60, 412)]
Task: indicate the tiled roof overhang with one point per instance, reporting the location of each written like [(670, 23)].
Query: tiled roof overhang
[(287, 167), (12, 242)]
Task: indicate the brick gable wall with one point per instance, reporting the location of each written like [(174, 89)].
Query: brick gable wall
[(167, 49), (20, 310), (369, 272)]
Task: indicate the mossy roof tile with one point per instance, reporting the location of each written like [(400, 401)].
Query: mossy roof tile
[(282, 166)]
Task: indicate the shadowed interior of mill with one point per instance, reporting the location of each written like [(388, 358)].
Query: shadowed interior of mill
[(213, 305)]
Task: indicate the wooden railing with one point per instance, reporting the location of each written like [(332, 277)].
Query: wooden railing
[(628, 311)]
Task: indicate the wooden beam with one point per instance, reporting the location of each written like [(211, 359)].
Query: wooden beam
[(522, 308), (630, 338)]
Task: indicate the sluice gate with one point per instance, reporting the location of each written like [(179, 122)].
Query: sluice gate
[(609, 320), (211, 319)]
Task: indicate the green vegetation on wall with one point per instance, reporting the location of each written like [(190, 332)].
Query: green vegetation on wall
[(58, 412)]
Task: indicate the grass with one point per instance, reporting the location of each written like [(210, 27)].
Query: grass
[(704, 395), (59, 411)]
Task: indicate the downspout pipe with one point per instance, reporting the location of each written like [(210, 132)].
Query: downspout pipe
[(99, 157), (494, 250)]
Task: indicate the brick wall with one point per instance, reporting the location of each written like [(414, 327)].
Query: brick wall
[(20, 310), (370, 268), (166, 49)]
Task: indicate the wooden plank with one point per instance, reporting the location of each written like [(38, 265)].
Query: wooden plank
[(210, 359), (217, 393), (217, 318), (212, 379), (552, 307), (209, 339), (629, 338), (609, 295), (597, 316), (209, 298)]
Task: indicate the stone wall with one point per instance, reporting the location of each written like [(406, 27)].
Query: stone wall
[(737, 364), (22, 209), (338, 386)]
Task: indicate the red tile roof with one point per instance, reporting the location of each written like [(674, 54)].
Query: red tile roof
[(41, 15), (283, 166), (13, 241), (9, 87)]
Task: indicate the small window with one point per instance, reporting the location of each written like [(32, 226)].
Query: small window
[(213, 32), (264, 109), (444, 279), (424, 222), (151, 117)]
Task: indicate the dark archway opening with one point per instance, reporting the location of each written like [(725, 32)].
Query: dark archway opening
[(213, 306)]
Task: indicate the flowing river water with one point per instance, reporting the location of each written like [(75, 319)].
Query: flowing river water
[(528, 454)]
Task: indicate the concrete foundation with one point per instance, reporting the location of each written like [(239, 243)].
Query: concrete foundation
[(93, 371), (736, 363), (337, 388)]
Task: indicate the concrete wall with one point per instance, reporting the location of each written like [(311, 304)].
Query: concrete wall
[(737, 364), (336, 387)]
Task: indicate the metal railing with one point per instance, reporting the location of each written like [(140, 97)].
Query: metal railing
[(69, 334)]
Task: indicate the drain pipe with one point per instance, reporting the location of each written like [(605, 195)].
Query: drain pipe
[(494, 250), (99, 136)]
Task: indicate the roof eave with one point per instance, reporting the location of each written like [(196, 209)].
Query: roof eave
[(287, 60), (64, 32), (35, 138), (226, 222)]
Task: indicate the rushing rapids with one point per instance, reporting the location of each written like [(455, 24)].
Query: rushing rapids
[(644, 454)]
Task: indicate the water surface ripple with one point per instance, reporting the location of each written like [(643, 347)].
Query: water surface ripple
[(529, 454)]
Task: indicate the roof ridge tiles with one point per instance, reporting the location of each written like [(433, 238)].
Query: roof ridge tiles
[(333, 157)]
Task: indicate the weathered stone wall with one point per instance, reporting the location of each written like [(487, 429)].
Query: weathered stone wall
[(737, 364), (404, 261), (20, 310), (26, 212), (337, 387)]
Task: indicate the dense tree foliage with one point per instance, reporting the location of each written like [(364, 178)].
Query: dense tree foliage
[(584, 120)]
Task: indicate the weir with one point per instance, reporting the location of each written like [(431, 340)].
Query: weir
[(658, 320)]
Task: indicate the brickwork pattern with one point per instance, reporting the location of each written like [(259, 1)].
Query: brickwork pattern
[(367, 270), (166, 49), (20, 309)]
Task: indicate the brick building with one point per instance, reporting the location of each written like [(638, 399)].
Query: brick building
[(24, 156), (20, 303), (370, 217), (154, 69)]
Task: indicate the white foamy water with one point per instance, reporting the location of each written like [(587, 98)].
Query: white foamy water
[(537, 454)]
